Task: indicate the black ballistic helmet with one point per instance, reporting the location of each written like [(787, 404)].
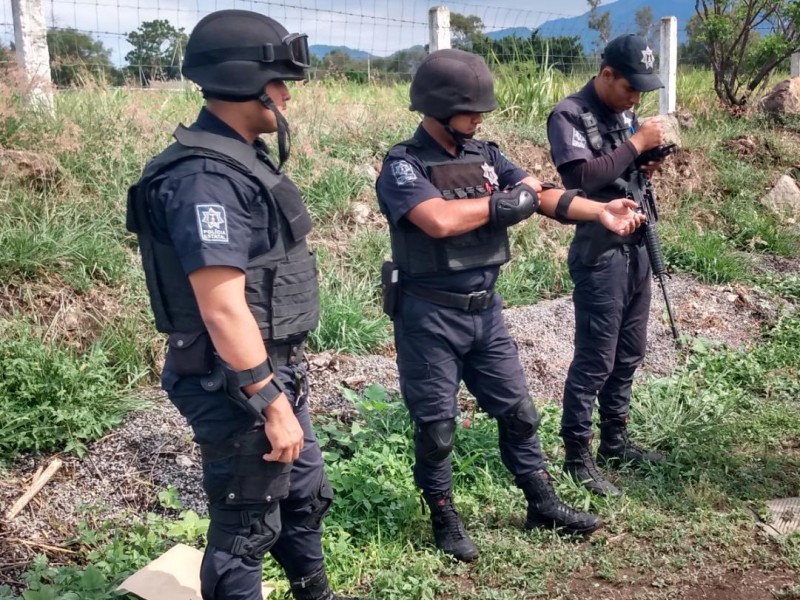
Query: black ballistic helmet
[(233, 54), (449, 82)]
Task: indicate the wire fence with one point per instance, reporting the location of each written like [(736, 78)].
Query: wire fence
[(142, 41)]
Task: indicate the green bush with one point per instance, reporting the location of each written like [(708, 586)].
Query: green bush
[(53, 399)]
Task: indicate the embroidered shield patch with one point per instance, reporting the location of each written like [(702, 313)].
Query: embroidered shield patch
[(403, 172), (578, 139), (212, 223)]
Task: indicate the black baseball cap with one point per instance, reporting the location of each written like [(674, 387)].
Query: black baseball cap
[(633, 58)]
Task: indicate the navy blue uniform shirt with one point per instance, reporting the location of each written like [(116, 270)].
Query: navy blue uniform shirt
[(566, 132), (404, 183), (205, 209)]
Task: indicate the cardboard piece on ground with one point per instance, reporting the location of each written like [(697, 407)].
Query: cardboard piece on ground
[(175, 575), (784, 516)]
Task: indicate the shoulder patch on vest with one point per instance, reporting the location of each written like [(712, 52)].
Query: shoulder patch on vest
[(212, 223), (403, 172)]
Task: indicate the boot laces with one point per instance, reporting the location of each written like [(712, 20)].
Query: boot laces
[(591, 465), (447, 515), (629, 446)]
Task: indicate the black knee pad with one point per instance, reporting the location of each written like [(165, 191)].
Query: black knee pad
[(520, 423), (433, 442), (310, 510), (263, 525)]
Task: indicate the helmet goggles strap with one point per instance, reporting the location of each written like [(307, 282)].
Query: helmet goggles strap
[(293, 49)]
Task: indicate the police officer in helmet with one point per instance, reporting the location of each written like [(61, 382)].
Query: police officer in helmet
[(449, 200), (595, 141), (222, 233)]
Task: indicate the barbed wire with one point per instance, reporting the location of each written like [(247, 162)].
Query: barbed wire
[(358, 39)]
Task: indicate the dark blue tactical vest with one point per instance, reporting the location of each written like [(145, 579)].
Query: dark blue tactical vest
[(281, 284), (470, 176)]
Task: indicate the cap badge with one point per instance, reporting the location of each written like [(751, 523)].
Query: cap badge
[(648, 59)]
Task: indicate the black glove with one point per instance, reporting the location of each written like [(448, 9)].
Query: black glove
[(509, 207)]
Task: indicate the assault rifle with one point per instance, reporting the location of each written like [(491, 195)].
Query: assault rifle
[(647, 205)]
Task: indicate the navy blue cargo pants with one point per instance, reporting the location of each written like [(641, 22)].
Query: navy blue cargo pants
[(437, 348), (216, 420), (612, 305)]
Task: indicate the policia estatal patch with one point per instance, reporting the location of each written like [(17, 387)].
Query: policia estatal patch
[(212, 223)]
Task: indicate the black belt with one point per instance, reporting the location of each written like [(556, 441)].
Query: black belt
[(472, 302), (285, 353)]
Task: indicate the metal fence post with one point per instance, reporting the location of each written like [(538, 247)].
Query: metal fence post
[(669, 65), (796, 64), (438, 28), (30, 39)]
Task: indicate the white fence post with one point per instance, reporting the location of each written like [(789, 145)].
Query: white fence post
[(669, 65), (30, 39), (439, 28), (796, 64)]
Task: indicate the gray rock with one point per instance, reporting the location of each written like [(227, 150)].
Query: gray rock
[(784, 198), (783, 100)]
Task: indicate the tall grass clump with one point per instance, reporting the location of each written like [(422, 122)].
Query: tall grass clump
[(526, 89), (351, 320)]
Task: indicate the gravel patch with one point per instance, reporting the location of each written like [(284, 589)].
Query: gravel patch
[(121, 473)]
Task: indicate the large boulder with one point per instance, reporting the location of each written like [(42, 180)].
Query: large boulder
[(783, 100), (784, 199)]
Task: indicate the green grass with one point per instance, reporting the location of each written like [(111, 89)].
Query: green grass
[(536, 271), (723, 419), (350, 317)]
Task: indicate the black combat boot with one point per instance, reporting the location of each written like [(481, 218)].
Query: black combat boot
[(315, 587), (449, 532), (616, 448), (545, 510), (579, 463)]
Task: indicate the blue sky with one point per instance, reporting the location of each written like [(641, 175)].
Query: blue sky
[(377, 26)]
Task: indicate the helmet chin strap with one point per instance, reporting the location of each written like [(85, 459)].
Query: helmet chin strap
[(284, 135), (458, 137)]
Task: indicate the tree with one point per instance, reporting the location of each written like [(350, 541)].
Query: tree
[(694, 51), (465, 31), (157, 51), (743, 59), (76, 57), (599, 22), (645, 26)]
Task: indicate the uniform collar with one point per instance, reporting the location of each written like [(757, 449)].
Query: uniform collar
[(207, 121), (598, 107)]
